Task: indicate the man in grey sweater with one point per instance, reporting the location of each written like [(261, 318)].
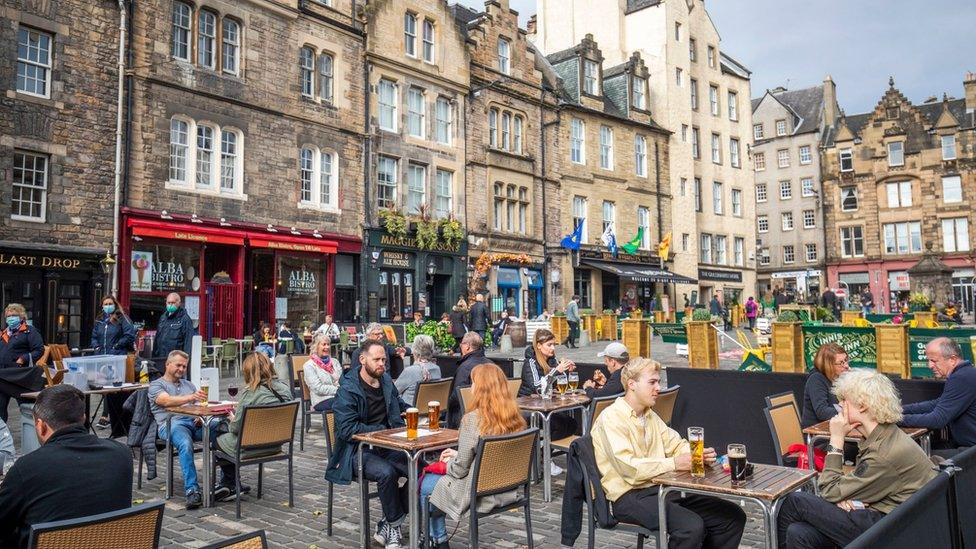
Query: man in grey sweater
[(573, 319)]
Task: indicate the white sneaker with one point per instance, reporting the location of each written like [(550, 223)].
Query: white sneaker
[(554, 469)]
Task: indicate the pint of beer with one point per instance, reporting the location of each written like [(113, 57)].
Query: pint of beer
[(696, 437), (434, 416), (205, 389), (561, 383), (413, 417), (737, 463)]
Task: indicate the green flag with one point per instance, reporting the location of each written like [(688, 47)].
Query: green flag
[(632, 246)]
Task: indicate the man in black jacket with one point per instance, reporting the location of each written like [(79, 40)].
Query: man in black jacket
[(73, 474), (615, 357), (175, 330), (480, 319), (472, 354)]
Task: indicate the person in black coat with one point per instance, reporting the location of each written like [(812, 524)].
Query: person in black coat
[(819, 403), (472, 354), (539, 368), (113, 334), (499, 329), (459, 325), (175, 331), (73, 474), (615, 357), (480, 318), (21, 345)]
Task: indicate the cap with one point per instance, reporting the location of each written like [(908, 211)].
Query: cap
[(615, 350)]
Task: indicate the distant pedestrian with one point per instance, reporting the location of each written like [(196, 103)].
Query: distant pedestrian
[(480, 319), (752, 310), (573, 319), (867, 301)]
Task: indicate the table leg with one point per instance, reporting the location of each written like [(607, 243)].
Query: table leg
[(207, 483), (546, 458), (413, 501), (169, 457), (363, 501), (537, 470), (927, 444), (662, 516)]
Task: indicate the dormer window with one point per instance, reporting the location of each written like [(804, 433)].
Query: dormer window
[(591, 76), (639, 93)]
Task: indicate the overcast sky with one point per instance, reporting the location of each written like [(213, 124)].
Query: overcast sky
[(927, 46)]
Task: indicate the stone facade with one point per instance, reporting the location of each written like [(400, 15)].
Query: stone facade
[(898, 179), (787, 128)]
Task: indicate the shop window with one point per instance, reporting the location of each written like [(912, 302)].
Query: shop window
[(301, 289), (581, 287)]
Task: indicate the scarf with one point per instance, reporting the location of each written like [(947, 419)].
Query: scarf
[(6, 333), (327, 366)]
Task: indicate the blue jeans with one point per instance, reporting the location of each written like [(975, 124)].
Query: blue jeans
[(438, 524), (185, 432)]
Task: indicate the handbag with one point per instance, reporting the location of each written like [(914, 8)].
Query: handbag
[(799, 452)]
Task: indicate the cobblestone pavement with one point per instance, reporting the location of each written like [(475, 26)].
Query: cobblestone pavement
[(303, 527)]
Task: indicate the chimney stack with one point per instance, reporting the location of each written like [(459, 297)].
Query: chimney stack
[(531, 26), (830, 109), (969, 84)]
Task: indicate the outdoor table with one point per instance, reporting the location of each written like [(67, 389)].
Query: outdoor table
[(542, 410), (821, 431), (767, 486), (206, 415), (110, 390), (396, 439)]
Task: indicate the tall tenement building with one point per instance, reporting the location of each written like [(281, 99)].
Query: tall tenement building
[(898, 180), (702, 96)]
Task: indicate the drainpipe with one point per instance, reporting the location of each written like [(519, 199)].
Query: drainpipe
[(363, 311), (118, 148)]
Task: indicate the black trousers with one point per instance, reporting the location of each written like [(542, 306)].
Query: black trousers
[(573, 333), (386, 468), (807, 521), (693, 521)]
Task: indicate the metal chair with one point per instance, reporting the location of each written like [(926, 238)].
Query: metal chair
[(664, 406), (307, 411), (263, 428), (299, 391), (784, 426), (595, 408), (135, 527), (329, 427), (228, 354), (252, 540), (502, 463), (438, 389), (779, 399), (513, 387)]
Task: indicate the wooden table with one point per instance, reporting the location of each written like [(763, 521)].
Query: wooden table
[(542, 410), (206, 415), (821, 431), (110, 390), (767, 487), (393, 439)]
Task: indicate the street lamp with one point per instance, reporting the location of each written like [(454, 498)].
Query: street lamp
[(431, 268), (108, 267)]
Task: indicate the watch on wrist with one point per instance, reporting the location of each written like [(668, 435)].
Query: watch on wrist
[(831, 449)]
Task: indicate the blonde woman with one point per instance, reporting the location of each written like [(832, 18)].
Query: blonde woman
[(890, 468), (321, 373)]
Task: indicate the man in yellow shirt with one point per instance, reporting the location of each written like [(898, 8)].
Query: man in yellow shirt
[(632, 445)]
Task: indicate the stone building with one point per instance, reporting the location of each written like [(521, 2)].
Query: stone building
[(786, 129), (701, 95), (418, 70), (57, 146), (244, 172), (897, 180), (612, 162), (506, 110)]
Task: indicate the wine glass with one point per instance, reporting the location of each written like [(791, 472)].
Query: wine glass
[(232, 391)]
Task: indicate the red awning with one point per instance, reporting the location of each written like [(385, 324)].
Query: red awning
[(182, 231), (293, 243)]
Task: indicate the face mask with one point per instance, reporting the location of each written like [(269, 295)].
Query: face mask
[(171, 308), (109, 309), (13, 322)]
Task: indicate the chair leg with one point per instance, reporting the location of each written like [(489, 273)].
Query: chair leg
[(260, 478), (139, 481), (473, 525), (291, 484), (328, 526), (528, 523), (301, 434), (237, 486)]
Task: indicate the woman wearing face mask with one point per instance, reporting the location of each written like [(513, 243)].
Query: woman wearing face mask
[(321, 373), (20, 345), (113, 334)]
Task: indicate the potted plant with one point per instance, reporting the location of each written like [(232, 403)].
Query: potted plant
[(609, 323), (452, 232), (394, 222), (787, 342), (921, 307), (702, 340), (559, 326)]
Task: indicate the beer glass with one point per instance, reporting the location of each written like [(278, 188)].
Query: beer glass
[(561, 383), (573, 381), (205, 389), (413, 418), (434, 416), (696, 437), (737, 463)]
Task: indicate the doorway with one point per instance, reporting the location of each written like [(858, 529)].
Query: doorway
[(440, 300)]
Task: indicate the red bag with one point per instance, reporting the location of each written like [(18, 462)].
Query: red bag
[(438, 468), (799, 451)]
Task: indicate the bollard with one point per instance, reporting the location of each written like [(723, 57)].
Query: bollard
[(506, 344), (584, 338)]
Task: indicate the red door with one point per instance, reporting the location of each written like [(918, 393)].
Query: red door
[(226, 306)]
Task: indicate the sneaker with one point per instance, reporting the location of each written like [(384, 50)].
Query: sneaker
[(194, 500), (103, 423), (382, 530), (394, 537), (554, 469), (222, 493)]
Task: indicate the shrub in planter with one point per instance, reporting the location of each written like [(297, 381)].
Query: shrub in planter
[(787, 316), (701, 315), (394, 222), (825, 314)]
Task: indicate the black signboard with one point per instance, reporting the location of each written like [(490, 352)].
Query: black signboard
[(719, 276)]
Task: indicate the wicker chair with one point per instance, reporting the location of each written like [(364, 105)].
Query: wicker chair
[(307, 411), (252, 540), (439, 390), (781, 398), (784, 426), (664, 406), (132, 528), (300, 391), (264, 427), (502, 463), (596, 407), (329, 428)]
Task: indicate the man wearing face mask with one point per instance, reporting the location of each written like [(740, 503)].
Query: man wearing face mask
[(175, 331), (73, 474), (21, 345)]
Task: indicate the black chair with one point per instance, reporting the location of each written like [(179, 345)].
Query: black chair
[(502, 463), (252, 540), (329, 427), (964, 495), (924, 520), (598, 510), (135, 527), (265, 429)]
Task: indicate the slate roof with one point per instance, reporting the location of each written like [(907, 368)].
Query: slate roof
[(806, 104), (931, 112), (635, 5), (465, 17), (732, 66)]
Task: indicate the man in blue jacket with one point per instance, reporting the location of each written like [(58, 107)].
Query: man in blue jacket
[(21, 345), (956, 406), (175, 330), (368, 401)]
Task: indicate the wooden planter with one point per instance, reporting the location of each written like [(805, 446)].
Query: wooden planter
[(588, 323), (924, 318), (702, 345), (788, 347), (849, 318), (659, 317), (609, 329), (560, 328), (637, 337), (893, 349)]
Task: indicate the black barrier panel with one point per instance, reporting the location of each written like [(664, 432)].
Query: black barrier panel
[(965, 481), (449, 365), (729, 405), (922, 521)]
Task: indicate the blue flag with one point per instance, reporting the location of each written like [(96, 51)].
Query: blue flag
[(573, 240), (610, 240)]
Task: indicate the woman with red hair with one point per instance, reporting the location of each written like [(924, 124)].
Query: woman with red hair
[(493, 412)]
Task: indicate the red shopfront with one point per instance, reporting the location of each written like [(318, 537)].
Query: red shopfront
[(231, 279)]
